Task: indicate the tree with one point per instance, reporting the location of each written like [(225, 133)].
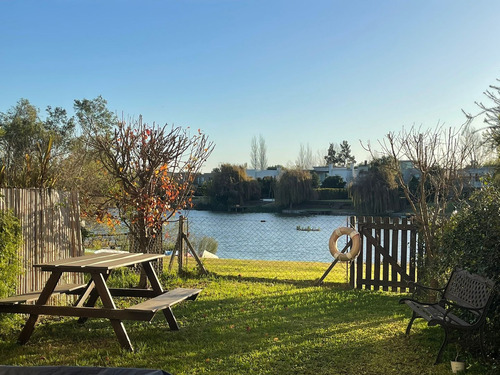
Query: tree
[(254, 153), (305, 157), (262, 153), (376, 191), (333, 182), (230, 185), (344, 156), (294, 186), (332, 157), (153, 168), (32, 148), (437, 155)]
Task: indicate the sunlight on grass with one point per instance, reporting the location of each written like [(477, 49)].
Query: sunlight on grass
[(254, 324)]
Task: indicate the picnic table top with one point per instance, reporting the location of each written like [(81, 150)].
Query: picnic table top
[(97, 262)]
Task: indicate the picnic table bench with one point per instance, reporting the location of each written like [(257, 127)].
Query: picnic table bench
[(99, 266), (462, 306)]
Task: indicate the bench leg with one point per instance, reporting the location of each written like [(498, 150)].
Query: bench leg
[(413, 317), (443, 345), (172, 322)]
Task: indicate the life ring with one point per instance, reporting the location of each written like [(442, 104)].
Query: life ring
[(356, 242)]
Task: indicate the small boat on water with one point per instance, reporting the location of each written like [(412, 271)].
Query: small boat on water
[(308, 229)]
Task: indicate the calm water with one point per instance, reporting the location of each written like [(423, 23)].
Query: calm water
[(266, 236)]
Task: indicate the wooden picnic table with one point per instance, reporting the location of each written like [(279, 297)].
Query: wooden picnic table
[(99, 266)]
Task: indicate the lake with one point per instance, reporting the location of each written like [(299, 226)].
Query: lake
[(267, 236)]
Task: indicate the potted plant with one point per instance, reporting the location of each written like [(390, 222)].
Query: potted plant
[(457, 366)]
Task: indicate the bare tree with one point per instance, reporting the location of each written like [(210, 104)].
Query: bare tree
[(254, 153), (305, 157), (262, 153), (437, 156)]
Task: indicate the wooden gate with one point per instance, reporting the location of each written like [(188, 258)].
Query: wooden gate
[(388, 256)]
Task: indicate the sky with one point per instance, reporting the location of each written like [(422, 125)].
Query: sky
[(298, 73)]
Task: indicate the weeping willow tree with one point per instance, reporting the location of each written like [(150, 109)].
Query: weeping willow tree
[(294, 187), (376, 191)]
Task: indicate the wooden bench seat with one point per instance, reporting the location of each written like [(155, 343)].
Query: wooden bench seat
[(33, 296), (146, 310)]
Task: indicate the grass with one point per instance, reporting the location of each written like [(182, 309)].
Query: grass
[(252, 324)]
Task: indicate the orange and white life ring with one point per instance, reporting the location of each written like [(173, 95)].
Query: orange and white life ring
[(356, 244)]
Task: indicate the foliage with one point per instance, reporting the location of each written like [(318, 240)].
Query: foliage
[(332, 193), (10, 265), (294, 186), (31, 148), (345, 157), (471, 240), (231, 186), (207, 244), (332, 154), (376, 191), (154, 168), (333, 182), (340, 155), (267, 186), (242, 325), (10, 241)]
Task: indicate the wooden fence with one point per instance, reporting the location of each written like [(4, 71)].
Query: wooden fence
[(50, 223), (389, 254)]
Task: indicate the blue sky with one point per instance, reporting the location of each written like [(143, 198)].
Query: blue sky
[(295, 72)]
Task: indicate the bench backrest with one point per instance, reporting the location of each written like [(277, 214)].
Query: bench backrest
[(469, 290)]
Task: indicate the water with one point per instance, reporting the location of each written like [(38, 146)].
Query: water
[(267, 236)]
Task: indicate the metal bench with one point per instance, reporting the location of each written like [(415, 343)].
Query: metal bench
[(462, 306)]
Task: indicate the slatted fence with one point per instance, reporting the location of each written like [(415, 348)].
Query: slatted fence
[(389, 253), (50, 223)]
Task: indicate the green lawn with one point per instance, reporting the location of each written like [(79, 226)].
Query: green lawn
[(252, 324)]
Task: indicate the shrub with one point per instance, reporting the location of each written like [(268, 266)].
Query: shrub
[(10, 240), (471, 240), (333, 182), (331, 193)]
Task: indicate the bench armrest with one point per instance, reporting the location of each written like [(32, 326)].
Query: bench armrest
[(417, 287)]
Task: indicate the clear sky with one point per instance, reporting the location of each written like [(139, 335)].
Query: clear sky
[(296, 72)]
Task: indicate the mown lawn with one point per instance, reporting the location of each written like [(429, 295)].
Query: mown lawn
[(252, 324)]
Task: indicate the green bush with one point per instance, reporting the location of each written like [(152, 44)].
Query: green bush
[(10, 241), (332, 193), (471, 240)]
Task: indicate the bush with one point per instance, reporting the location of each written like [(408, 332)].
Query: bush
[(333, 182), (331, 193), (10, 241), (471, 240)]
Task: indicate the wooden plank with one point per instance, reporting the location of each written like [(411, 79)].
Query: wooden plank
[(167, 299), (84, 312), (367, 231), (33, 296), (385, 265), (395, 250), (98, 262)]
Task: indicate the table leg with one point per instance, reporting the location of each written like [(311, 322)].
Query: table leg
[(107, 301), (42, 300), (94, 295), (152, 277)]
